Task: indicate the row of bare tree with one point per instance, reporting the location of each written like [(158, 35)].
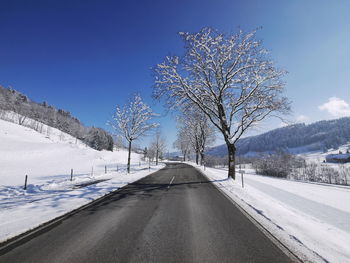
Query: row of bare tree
[(229, 79), (226, 82), (156, 149), (195, 134)]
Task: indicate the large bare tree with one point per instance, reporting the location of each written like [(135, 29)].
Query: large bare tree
[(133, 121), (230, 78)]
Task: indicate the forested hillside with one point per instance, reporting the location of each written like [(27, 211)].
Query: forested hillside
[(28, 110), (296, 138)]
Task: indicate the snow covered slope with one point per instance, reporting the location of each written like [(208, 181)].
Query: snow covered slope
[(47, 160), (24, 151)]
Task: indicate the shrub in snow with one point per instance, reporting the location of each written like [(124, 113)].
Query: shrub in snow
[(280, 164)]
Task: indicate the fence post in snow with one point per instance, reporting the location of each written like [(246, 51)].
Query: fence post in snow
[(25, 183), (71, 174), (242, 180), (242, 172), (105, 169)]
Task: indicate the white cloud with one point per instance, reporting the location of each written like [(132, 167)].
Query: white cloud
[(302, 118), (336, 107)]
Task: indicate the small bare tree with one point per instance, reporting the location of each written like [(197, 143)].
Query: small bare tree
[(197, 129), (229, 78), (158, 145), (133, 121), (183, 142), (151, 152), (206, 133)]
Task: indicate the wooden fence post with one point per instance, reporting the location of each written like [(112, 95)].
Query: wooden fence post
[(25, 183), (71, 174)]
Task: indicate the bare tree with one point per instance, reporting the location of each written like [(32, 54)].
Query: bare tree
[(158, 145), (133, 121), (119, 142), (228, 77), (206, 132), (151, 152), (183, 142), (197, 130)]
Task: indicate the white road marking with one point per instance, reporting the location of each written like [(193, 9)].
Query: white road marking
[(171, 181)]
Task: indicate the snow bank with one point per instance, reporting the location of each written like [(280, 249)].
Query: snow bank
[(310, 219), (22, 210), (47, 159)]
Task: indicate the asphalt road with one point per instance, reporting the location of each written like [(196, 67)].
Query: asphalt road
[(152, 220)]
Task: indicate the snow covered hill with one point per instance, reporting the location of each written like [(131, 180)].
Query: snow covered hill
[(47, 159), (295, 139), (24, 151)]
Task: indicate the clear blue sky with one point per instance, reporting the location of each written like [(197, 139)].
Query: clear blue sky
[(88, 56)]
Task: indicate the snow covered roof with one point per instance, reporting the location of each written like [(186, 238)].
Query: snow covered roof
[(338, 156)]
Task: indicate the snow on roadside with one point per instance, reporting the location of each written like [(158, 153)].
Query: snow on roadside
[(311, 220), (47, 159), (43, 157), (25, 210)]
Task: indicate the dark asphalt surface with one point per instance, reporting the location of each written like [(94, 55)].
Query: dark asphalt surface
[(148, 221)]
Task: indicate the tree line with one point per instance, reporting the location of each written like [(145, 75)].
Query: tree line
[(43, 113), (318, 136)]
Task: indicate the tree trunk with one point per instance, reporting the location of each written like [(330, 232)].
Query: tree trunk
[(184, 157), (231, 160), (157, 153), (202, 158), (197, 157), (129, 155)]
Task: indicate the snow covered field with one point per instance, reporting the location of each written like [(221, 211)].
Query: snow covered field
[(313, 220), (48, 160)]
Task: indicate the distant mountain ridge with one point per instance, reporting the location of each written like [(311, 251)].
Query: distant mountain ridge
[(297, 138)]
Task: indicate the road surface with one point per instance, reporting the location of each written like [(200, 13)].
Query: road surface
[(173, 215)]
